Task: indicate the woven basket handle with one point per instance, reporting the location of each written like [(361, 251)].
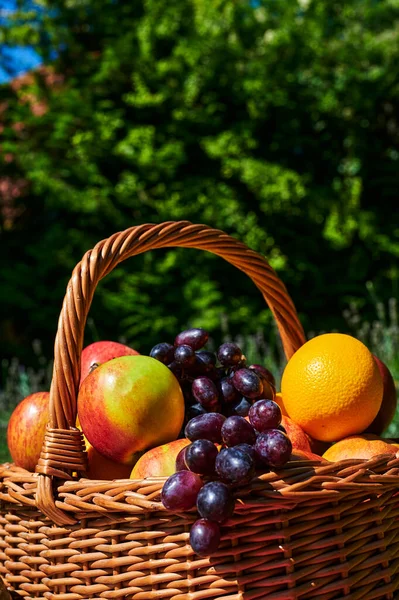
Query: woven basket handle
[(63, 450)]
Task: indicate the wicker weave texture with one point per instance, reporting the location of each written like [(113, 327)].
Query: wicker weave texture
[(322, 531), (315, 530)]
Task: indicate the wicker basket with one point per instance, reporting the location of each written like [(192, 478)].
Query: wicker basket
[(313, 530)]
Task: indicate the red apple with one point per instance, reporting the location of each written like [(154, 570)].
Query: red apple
[(128, 405), (102, 468), (99, 353), (159, 461), (389, 401), (26, 429), (296, 434)]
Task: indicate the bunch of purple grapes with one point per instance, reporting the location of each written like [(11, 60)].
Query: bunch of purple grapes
[(214, 382), (224, 453)]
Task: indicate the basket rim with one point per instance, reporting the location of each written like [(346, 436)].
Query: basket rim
[(299, 480)]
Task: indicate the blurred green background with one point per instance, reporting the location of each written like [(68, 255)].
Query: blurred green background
[(274, 120)]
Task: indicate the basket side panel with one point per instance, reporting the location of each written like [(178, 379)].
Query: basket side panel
[(315, 549)]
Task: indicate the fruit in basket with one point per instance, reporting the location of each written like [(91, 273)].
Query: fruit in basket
[(100, 352), (278, 398), (196, 338), (248, 383), (205, 537), (364, 446), (298, 437), (180, 491), (389, 401), (237, 430), (207, 427), (316, 446), (213, 381), (303, 455), (229, 354), (234, 465), (180, 463), (264, 373), (205, 392), (200, 457), (215, 501), (159, 461), (332, 387), (128, 405), (26, 429), (264, 414), (245, 450), (273, 447), (102, 468)]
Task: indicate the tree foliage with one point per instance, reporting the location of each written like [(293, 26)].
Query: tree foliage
[(276, 121)]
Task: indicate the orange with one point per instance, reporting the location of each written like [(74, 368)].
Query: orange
[(332, 387), (359, 446)]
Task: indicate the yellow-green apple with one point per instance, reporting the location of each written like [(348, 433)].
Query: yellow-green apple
[(99, 353), (159, 461), (389, 401), (296, 434), (129, 405), (26, 429)]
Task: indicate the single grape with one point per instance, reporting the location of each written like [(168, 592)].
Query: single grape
[(176, 369), (273, 447), (265, 373), (180, 490), (248, 383), (163, 352), (180, 460), (193, 411), (236, 430), (200, 457), (204, 537), (251, 451), (205, 391), (240, 407), (205, 365), (265, 414), (248, 448), (268, 392), (185, 356), (195, 337), (234, 466), (215, 502), (208, 358), (228, 392), (207, 427), (229, 354)]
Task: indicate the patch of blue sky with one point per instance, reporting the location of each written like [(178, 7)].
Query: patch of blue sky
[(15, 60)]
